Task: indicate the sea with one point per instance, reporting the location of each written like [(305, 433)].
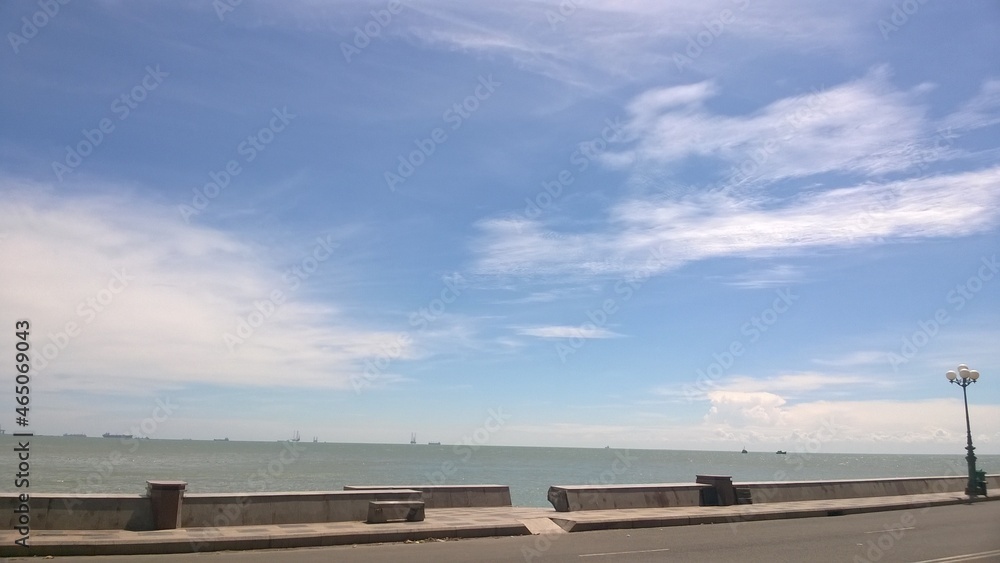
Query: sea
[(87, 465)]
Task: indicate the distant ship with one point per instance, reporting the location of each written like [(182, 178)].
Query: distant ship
[(315, 439), (433, 443), (295, 437), (226, 439), (413, 437), (74, 435), (744, 451), (781, 452), (110, 435)]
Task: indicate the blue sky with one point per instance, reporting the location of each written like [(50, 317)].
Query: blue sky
[(649, 224)]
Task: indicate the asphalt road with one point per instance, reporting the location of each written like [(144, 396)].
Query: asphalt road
[(934, 535)]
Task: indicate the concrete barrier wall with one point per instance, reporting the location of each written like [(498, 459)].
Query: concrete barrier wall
[(790, 491), (80, 512), (603, 497), (236, 509), (568, 498), (134, 512), (452, 496)]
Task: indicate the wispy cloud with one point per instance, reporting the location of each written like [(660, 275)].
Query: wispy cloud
[(740, 388), (630, 40), (112, 276), (621, 39), (792, 383), (854, 359), (550, 295), (847, 140), (983, 110), (859, 127), (562, 331), (654, 236), (776, 276), (769, 421), (790, 406)]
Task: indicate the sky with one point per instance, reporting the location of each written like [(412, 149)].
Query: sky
[(637, 223)]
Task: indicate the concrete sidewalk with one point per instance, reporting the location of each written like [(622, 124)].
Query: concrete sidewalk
[(442, 523)]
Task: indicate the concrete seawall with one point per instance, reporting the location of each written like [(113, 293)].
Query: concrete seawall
[(789, 491), (567, 498), (237, 509), (135, 512), (81, 512)]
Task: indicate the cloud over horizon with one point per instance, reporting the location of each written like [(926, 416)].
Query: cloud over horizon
[(171, 304)]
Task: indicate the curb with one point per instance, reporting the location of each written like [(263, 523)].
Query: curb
[(197, 543), (784, 513)]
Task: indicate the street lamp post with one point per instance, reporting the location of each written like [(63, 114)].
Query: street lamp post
[(963, 378)]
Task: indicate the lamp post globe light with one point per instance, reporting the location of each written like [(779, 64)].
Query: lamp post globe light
[(963, 377)]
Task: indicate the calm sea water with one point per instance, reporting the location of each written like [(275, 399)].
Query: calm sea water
[(106, 465)]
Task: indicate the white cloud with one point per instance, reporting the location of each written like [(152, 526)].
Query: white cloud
[(742, 409), (187, 286), (550, 295), (983, 110), (923, 421), (563, 331), (853, 359), (781, 275), (627, 40), (792, 382), (861, 127), (761, 410), (767, 421), (649, 236), (650, 104)]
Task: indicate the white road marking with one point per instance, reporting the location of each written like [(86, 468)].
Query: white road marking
[(965, 557), (891, 530), (623, 552)]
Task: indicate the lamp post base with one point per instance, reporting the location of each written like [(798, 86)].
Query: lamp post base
[(972, 487)]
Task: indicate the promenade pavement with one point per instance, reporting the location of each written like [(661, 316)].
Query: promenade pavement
[(439, 524)]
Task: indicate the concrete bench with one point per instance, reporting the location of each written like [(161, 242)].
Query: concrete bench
[(382, 511), (450, 496)]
